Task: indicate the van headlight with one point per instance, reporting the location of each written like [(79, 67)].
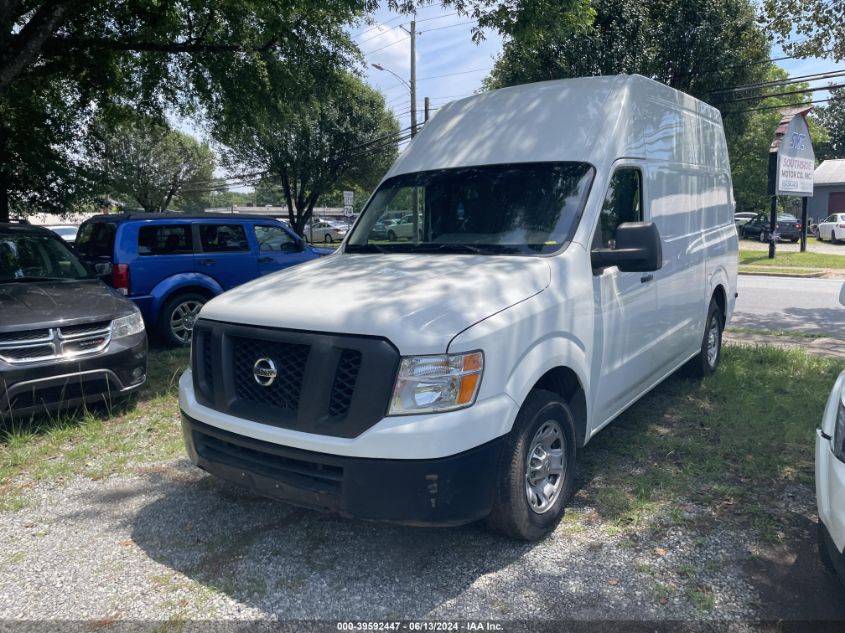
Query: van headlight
[(127, 326), (839, 433), (431, 384)]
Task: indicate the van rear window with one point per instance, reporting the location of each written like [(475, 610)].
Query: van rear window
[(96, 239), (165, 239)]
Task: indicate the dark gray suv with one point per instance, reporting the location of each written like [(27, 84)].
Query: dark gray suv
[(66, 339)]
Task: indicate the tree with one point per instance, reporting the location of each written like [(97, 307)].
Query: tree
[(144, 159), (152, 55), (832, 117), (696, 46), (308, 134), (808, 28), (750, 150)]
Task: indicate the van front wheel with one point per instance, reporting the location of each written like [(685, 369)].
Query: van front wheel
[(536, 469), (707, 360)]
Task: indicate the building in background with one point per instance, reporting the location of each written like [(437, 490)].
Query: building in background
[(829, 190)]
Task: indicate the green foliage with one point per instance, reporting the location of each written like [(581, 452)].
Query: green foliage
[(832, 118), (696, 46), (808, 28), (39, 136), (142, 158), (60, 59), (749, 150), (309, 134)]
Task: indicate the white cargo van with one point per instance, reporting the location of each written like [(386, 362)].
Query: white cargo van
[(573, 245)]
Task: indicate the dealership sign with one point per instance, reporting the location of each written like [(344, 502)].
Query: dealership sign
[(796, 162)]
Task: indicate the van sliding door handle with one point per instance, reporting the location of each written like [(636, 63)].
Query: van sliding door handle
[(646, 278)]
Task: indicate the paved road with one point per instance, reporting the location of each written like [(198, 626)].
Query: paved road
[(786, 303)]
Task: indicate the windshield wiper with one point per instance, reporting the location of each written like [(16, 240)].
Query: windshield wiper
[(365, 248), (450, 248)]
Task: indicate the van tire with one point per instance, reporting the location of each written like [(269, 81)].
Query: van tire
[(512, 514), (704, 364), (165, 330)]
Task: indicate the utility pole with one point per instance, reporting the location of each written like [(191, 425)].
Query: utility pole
[(413, 78)]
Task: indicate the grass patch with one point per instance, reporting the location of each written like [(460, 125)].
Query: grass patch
[(98, 441), (788, 260), (795, 272), (779, 333), (726, 443)]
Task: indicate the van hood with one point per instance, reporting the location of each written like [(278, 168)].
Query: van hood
[(25, 305), (419, 302)]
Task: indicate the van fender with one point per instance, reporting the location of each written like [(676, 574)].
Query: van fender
[(163, 291), (719, 277), (550, 352)]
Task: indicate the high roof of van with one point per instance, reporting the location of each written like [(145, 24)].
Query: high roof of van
[(591, 119)]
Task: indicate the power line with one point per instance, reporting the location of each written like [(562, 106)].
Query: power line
[(779, 107), (448, 26), (784, 94), (782, 82), (407, 37), (463, 72)]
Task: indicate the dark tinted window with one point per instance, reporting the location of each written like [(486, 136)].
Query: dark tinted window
[(221, 238), (33, 257), (622, 203), (520, 208), (165, 239), (96, 239)]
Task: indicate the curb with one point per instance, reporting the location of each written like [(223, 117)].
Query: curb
[(813, 275)]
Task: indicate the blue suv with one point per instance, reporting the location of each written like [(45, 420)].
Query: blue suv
[(170, 264)]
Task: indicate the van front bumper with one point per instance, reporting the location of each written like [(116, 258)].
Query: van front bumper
[(444, 491)]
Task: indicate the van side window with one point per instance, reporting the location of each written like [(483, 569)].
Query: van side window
[(623, 203)]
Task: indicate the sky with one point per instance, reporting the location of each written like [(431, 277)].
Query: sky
[(451, 66)]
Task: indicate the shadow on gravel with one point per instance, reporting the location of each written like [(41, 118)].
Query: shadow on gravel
[(299, 563), (794, 319)]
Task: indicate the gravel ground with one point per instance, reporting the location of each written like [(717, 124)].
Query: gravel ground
[(168, 542)]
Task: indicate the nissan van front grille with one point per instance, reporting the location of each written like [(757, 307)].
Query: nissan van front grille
[(308, 381), (62, 343), (289, 361)]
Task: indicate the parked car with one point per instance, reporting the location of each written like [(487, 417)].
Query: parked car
[(65, 231), (321, 231), (743, 217), (404, 228), (66, 339), (830, 477), (788, 227), (462, 370), (379, 230), (170, 264), (833, 228)]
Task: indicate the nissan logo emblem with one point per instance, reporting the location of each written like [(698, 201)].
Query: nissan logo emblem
[(264, 371)]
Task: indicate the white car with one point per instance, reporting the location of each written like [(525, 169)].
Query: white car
[(65, 231), (322, 231), (830, 477), (569, 263), (743, 217), (833, 228), (403, 228)]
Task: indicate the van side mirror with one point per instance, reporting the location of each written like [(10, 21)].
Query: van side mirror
[(842, 295), (638, 249)]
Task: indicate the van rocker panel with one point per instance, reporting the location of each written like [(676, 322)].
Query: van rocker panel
[(448, 491)]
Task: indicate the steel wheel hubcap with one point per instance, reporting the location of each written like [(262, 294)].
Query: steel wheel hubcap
[(545, 467), (183, 318), (713, 341)]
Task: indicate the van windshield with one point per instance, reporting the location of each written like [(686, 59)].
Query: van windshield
[(518, 208)]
